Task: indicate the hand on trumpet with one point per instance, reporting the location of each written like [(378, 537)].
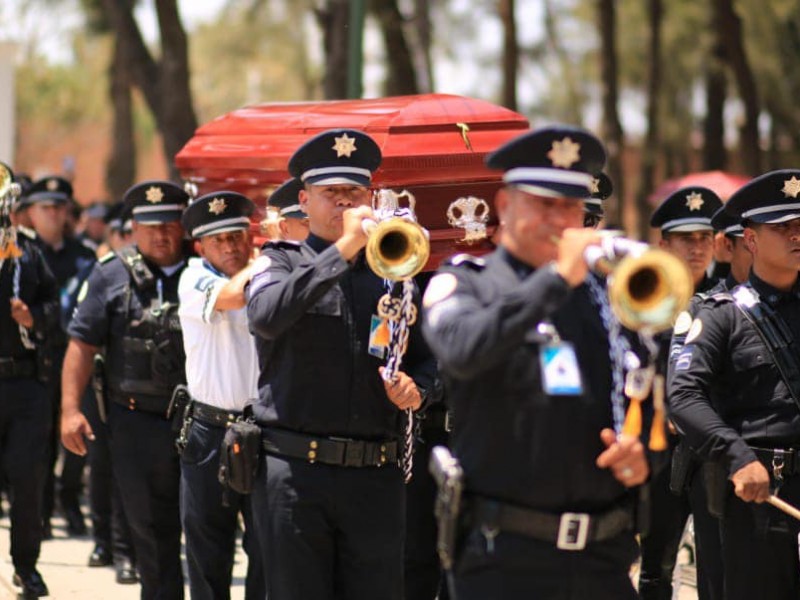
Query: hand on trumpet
[(354, 236), (570, 262)]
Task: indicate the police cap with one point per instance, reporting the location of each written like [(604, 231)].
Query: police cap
[(559, 161), (687, 209), (601, 188), (773, 197), (336, 156), (724, 222), (153, 202), (50, 190), (285, 200), (217, 213)]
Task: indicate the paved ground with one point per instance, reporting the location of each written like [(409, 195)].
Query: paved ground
[(63, 566)]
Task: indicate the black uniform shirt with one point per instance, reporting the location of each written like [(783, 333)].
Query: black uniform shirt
[(725, 391), (37, 289), (515, 442), (311, 313), (108, 301)]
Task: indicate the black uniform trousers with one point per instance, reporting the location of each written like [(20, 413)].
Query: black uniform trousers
[(668, 515), (521, 567), (330, 532), (707, 543), (423, 571), (110, 528), (146, 467), (760, 548), (210, 526), (25, 423)]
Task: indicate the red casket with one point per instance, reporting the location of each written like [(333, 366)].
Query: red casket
[(433, 145)]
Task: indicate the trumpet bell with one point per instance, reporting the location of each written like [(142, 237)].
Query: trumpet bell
[(648, 291), (397, 249)]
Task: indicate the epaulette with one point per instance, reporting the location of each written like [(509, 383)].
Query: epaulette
[(473, 262), (26, 231), (720, 298), (134, 262), (289, 244), (107, 257)]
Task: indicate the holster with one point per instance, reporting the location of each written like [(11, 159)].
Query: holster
[(715, 478), (177, 406), (683, 466), (239, 454), (100, 386), (449, 479)]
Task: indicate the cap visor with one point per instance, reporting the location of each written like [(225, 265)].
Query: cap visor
[(774, 217), (331, 179), (552, 190), (223, 229), (687, 227), (155, 218)]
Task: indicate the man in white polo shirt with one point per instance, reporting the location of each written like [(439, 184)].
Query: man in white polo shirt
[(222, 375)]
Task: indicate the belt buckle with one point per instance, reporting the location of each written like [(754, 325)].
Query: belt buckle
[(354, 453), (573, 530)]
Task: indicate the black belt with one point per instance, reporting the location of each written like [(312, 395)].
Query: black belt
[(437, 419), (568, 531), (17, 367), (211, 415), (787, 460), (328, 450), (143, 404)]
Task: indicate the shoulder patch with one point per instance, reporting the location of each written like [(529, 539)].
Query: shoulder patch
[(721, 298), (682, 323), (467, 260), (440, 287), (107, 257), (290, 244), (694, 331)]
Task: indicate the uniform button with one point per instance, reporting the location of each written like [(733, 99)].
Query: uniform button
[(313, 444), (312, 456), (383, 459), (383, 448)]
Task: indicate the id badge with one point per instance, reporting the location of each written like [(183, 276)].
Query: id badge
[(561, 375), (379, 336)]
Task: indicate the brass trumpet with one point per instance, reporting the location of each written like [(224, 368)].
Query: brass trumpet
[(647, 287), (397, 247)]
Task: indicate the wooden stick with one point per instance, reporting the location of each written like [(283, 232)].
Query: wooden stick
[(784, 506)]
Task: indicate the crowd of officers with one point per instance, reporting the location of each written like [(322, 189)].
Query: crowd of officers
[(209, 387)]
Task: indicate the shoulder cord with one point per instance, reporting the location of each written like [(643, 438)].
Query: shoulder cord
[(617, 347), (398, 344)]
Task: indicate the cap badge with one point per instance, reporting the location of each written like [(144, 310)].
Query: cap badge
[(594, 186), (217, 206), (791, 187), (154, 195), (564, 153), (344, 146), (52, 185), (694, 201)]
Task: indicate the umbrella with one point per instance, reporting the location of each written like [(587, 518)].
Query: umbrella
[(724, 184)]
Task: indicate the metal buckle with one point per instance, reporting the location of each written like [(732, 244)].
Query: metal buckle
[(573, 530)]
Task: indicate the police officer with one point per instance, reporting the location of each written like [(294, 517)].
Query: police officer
[(222, 371), (129, 305), (28, 316), (329, 501), (291, 222), (70, 261), (684, 219), (600, 190), (733, 392), (550, 501), (94, 225)]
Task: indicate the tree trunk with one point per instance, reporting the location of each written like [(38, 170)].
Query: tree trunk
[(655, 11), (422, 44), (334, 20), (573, 109), (611, 126), (121, 165), (714, 156), (730, 29), (510, 53), (164, 85), (402, 76)]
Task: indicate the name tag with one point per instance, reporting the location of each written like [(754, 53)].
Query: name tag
[(561, 375)]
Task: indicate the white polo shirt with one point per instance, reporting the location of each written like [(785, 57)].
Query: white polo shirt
[(221, 360)]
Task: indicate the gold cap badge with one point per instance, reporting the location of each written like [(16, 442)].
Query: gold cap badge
[(694, 201), (154, 195), (52, 185), (791, 187), (344, 146), (564, 153), (217, 206)]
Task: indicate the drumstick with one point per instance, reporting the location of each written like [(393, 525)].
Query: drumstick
[(784, 506)]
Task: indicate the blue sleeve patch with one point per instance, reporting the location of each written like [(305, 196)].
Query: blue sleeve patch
[(204, 283), (684, 360)]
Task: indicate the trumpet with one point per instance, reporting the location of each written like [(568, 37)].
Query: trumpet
[(647, 287), (397, 246)]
